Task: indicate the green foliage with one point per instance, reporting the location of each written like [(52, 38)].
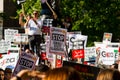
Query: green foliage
[(94, 17), (91, 17), (29, 6)]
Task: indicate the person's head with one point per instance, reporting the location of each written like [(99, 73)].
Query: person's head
[(63, 73), (109, 74), (2, 75), (27, 51), (35, 14), (42, 68), (8, 73)]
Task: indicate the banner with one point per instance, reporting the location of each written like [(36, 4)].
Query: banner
[(86, 72)]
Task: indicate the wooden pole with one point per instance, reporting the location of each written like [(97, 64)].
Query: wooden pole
[(54, 14)]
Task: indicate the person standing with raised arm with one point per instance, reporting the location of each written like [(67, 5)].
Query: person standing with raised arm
[(34, 25)]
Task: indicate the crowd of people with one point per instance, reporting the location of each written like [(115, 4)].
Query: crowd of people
[(43, 72), (32, 25)]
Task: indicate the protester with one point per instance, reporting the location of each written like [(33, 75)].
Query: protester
[(28, 74), (28, 17), (42, 68), (23, 20), (8, 73), (63, 73), (67, 24), (109, 74), (36, 74), (114, 66), (29, 51), (2, 74)]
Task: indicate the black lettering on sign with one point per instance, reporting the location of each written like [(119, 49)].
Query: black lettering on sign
[(58, 46), (57, 37), (26, 63), (10, 60)]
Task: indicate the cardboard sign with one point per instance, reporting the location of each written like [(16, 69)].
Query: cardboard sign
[(107, 56), (86, 72), (9, 34), (58, 63), (107, 37), (8, 59), (20, 38), (76, 41), (4, 45), (78, 53), (57, 40), (46, 29), (26, 61), (90, 54)]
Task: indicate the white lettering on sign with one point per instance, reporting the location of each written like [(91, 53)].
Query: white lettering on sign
[(47, 22)]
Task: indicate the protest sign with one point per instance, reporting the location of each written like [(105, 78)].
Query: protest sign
[(4, 45), (9, 34), (107, 37), (107, 56), (13, 50), (90, 54), (8, 59), (47, 23), (77, 53), (20, 39), (106, 49), (57, 40), (25, 61), (76, 41), (86, 72)]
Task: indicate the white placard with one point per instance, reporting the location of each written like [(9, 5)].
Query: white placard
[(57, 40), (9, 34), (20, 38), (77, 41), (107, 56), (8, 59), (90, 54), (4, 45), (107, 37)]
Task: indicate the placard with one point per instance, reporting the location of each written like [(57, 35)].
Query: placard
[(26, 61), (57, 40)]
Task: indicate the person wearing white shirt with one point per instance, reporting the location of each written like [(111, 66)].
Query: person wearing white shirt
[(33, 26)]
